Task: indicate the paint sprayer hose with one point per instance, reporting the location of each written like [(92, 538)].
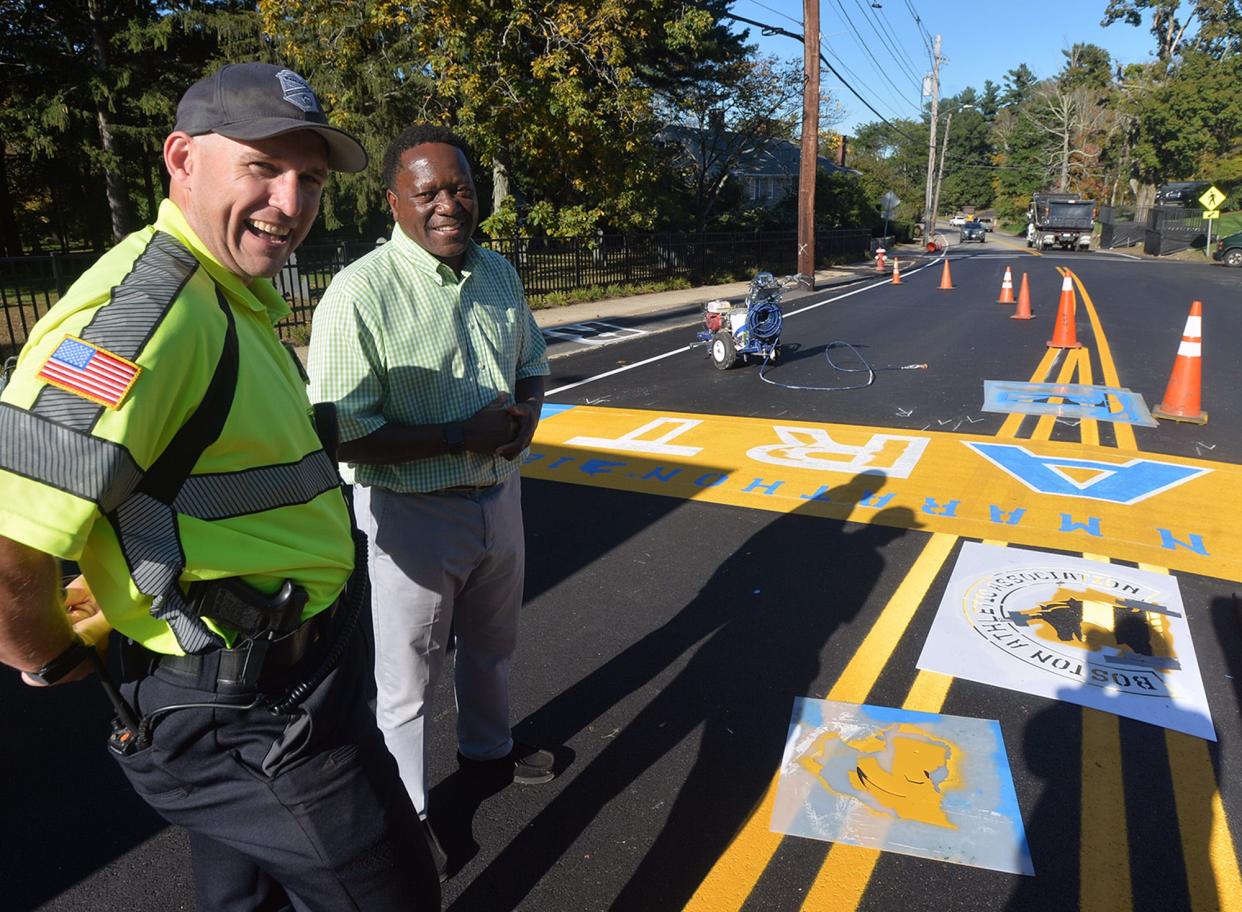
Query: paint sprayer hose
[(867, 367)]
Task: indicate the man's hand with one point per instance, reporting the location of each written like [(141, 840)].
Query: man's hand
[(527, 416), (491, 427), (88, 623)]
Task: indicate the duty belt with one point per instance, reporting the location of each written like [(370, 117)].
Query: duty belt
[(253, 661)]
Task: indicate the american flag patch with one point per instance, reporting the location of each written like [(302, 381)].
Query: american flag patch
[(90, 371)]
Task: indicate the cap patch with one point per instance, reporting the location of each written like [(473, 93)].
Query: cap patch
[(89, 371), (297, 92)]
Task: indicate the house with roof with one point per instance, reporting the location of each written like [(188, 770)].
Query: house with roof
[(765, 168)]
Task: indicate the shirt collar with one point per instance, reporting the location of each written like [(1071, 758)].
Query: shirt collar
[(259, 295), (428, 264)]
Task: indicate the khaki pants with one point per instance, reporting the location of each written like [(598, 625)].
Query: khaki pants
[(439, 561)]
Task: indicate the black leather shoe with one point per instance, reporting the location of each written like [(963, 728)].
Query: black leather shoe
[(525, 765)]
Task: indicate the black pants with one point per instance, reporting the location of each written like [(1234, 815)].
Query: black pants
[(303, 811)]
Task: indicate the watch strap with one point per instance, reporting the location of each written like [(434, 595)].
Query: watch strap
[(77, 653)]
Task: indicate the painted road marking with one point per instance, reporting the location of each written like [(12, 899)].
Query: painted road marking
[(1051, 494), (684, 348), (1013, 423), (847, 869), (735, 873), (1124, 433), (1103, 840), (1043, 426), (593, 332), (1214, 878)]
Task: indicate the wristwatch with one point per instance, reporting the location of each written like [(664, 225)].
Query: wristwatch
[(77, 653), (454, 438)]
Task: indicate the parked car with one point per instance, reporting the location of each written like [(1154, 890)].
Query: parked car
[(1229, 249), (985, 221), (957, 221), (1181, 193), (973, 231)]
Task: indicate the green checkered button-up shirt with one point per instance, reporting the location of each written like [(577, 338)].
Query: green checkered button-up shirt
[(398, 337)]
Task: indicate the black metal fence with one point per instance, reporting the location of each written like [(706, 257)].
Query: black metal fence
[(1171, 229), (1160, 229), (1122, 226), (29, 286)]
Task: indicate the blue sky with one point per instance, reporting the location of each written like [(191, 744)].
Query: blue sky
[(981, 40)]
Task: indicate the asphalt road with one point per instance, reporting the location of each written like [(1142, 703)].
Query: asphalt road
[(666, 636)]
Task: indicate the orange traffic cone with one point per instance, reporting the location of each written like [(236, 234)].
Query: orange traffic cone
[(1181, 399), (896, 272), (1006, 288), (946, 280), (1064, 336), (1024, 302)]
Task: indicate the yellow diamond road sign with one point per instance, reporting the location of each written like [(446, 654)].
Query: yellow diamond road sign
[(1212, 198)]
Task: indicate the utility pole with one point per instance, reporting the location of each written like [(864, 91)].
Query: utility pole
[(944, 150), (809, 155), (929, 213)]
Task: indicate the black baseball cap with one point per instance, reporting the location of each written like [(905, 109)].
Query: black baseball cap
[(260, 100)]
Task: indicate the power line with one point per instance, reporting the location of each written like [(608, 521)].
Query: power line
[(774, 30), (825, 47), (867, 50), (923, 33), (892, 31), (871, 19)]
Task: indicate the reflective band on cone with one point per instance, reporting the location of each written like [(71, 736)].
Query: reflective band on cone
[(1006, 296), (1064, 334), (1183, 397)]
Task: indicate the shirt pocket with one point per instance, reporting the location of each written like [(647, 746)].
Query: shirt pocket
[(497, 329)]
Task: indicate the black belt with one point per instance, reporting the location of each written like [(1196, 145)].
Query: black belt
[(468, 489), (229, 667)]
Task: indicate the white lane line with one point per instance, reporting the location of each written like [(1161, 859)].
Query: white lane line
[(685, 348), (1060, 256)]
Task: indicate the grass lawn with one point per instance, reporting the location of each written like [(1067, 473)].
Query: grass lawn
[(1228, 223)]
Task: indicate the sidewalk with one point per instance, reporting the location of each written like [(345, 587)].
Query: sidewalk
[(687, 301)]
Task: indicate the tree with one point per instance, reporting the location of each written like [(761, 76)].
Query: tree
[(1076, 120), (368, 69), (1219, 24), (89, 94), (968, 160), (1020, 83), (893, 160), (1087, 66), (1188, 123), (989, 101)]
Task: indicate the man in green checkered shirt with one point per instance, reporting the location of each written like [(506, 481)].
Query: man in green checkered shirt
[(436, 367)]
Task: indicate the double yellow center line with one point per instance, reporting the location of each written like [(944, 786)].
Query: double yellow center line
[(1105, 882)]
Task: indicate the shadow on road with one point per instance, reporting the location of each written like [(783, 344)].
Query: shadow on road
[(747, 644)]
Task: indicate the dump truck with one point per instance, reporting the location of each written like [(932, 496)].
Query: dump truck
[(1060, 219)]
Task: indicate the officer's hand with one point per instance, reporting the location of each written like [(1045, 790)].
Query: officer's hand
[(491, 427), (80, 602), (526, 414), (88, 622)]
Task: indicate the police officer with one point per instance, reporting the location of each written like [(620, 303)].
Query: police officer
[(156, 431)]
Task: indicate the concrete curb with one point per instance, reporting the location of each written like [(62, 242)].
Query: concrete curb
[(685, 302)]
